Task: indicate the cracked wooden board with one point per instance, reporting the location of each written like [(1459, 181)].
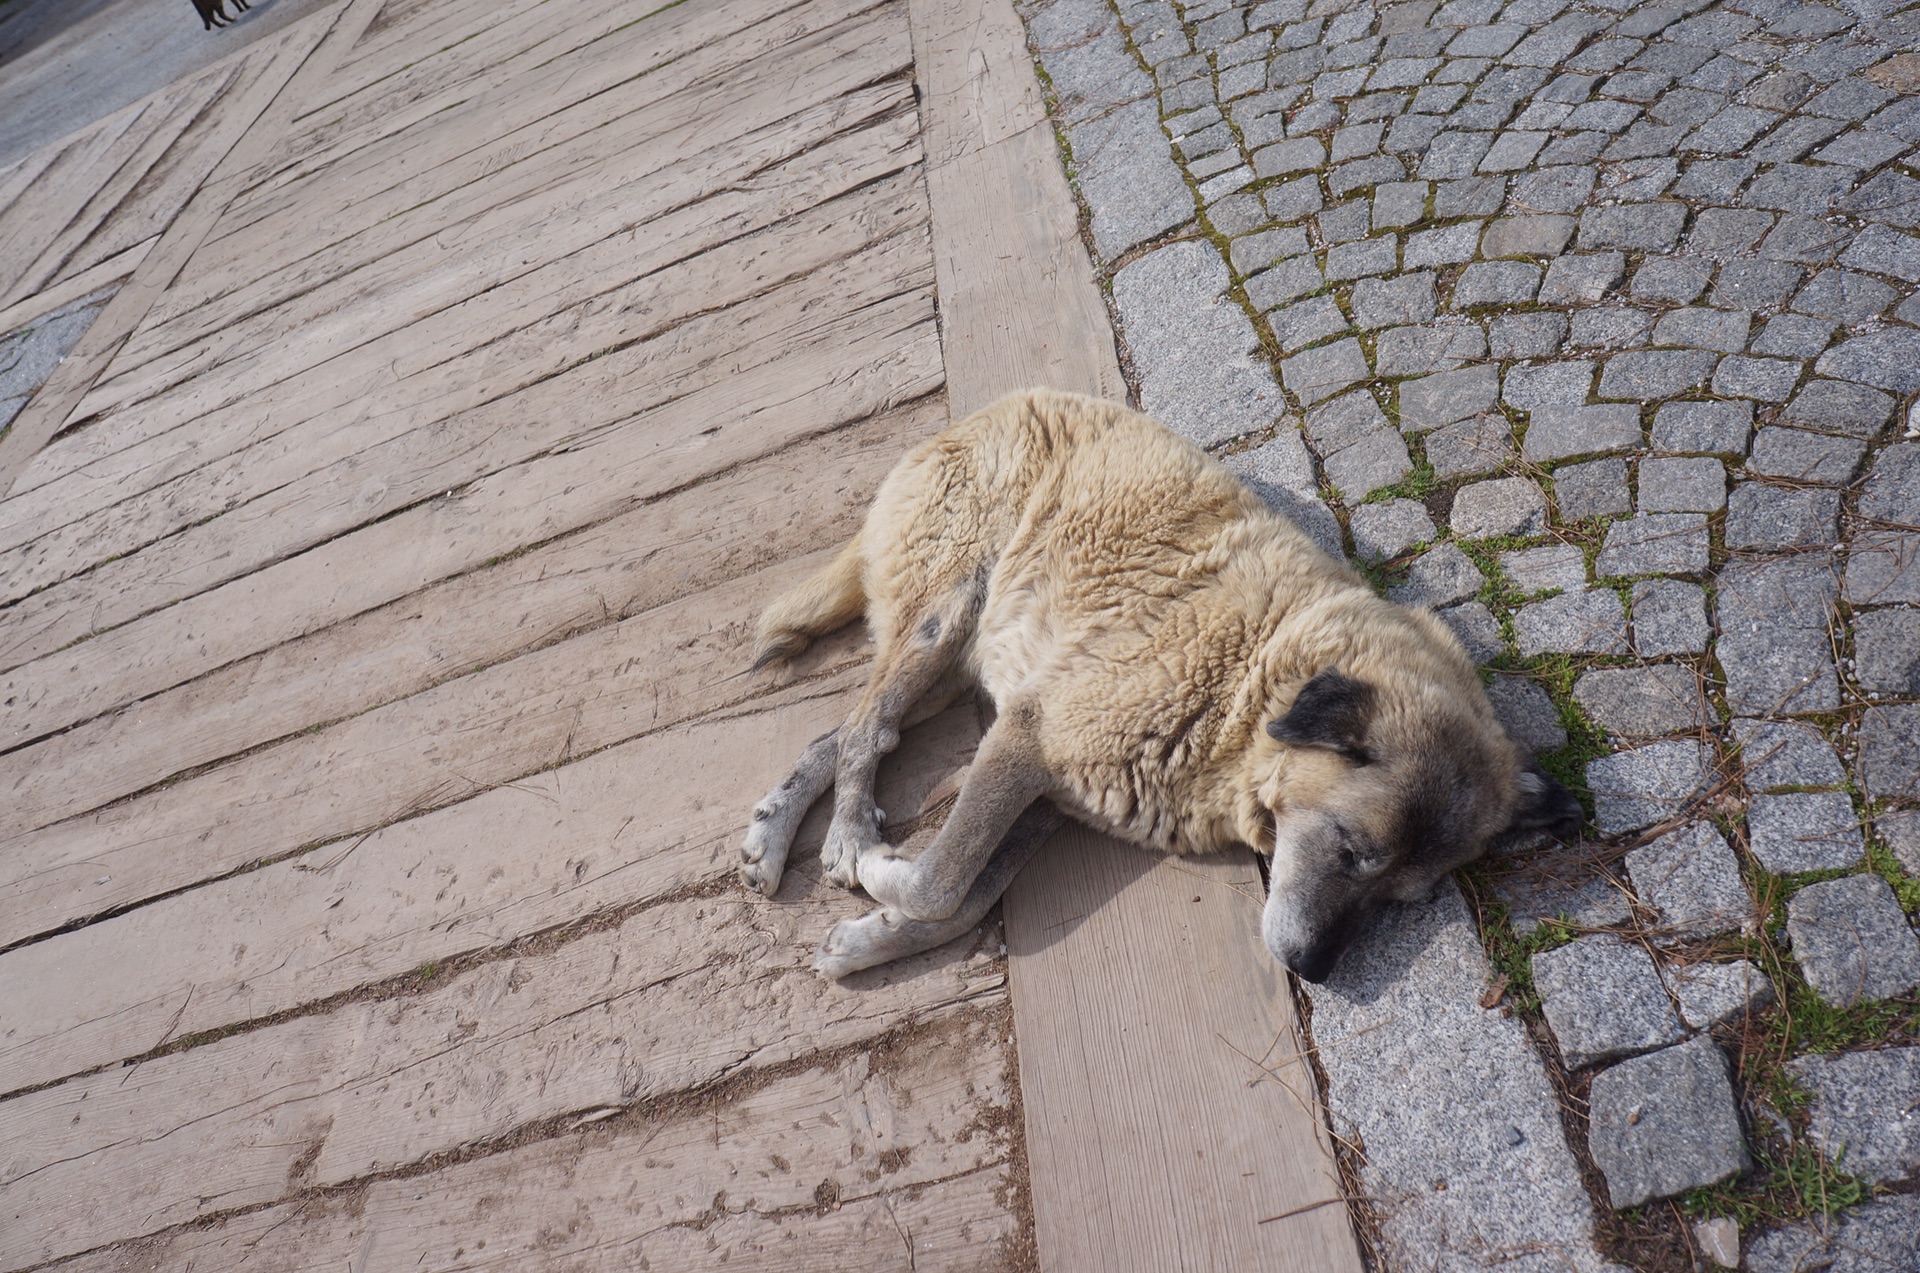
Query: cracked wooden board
[(269, 1116)]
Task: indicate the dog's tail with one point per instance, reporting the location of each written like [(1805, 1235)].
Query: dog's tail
[(831, 599)]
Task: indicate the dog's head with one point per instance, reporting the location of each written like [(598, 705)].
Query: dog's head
[(1382, 786)]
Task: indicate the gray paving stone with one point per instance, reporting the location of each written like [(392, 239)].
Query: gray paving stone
[(1343, 222), (1552, 384), (1087, 61), (1719, 427), (1892, 491), (1482, 444), (1477, 629), (1558, 432), (1503, 506), (1552, 189), (1292, 200), (1760, 515), (1804, 831), (1550, 567), (1724, 233), (1711, 995), (1885, 251), (1878, 1236), (1422, 351), (1777, 754), (1754, 284), (1399, 203), (1589, 622), (1844, 297), (1526, 335), (1678, 279), (1883, 566), (1449, 245), (1439, 577), (1362, 468), (1472, 1108), (1563, 883), (1603, 999), (1581, 279), (1320, 373), (1715, 179), (1124, 172), (1806, 457), (1682, 486), (1609, 327), (1853, 943), (1527, 713), (1643, 702), (1669, 617), (1496, 283), (1655, 544), (1652, 227), (1385, 530), (1202, 370), (1899, 829), (1408, 298), (1774, 668), (1805, 239), (1299, 325), (1279, 464), (1343, 421), (1690, 880), (1793, 336), (1888, 359), (1834, 406), (1540, 235), (1655, 373), (1702, 328), (1664, 1123), (1285, 281), (1597, 488), (1432, 401), (1635, 789), (1357, 260), (1887, 651)]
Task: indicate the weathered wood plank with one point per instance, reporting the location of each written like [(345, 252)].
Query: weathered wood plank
[(955, 1225), (701, 259), (492, 345), (722, 408), (184, 824), (1169, 1105), (1168, 1108), (286, 77), (82, 166), (414, 266), (673, 1000), (805, 498)]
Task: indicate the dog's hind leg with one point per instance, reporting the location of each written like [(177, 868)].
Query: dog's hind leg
[(884, 934), (1007, 775), (907, 670)]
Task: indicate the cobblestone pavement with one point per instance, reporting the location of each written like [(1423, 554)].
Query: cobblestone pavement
[(1594, 327)]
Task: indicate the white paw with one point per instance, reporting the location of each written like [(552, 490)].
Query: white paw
[(885, 875), (854, 944), (763, 854)]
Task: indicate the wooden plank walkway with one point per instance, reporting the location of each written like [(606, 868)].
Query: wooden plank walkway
[(376, 580)]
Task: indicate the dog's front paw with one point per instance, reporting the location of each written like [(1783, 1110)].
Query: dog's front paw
[(763, 854), (854, 944)]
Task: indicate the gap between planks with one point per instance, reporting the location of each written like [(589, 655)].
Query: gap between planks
[(1168, 1106)]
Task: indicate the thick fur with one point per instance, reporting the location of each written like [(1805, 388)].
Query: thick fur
[(1170, 661)]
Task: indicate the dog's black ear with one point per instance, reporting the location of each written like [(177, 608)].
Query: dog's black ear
[(1545, 805), (1332, 711)]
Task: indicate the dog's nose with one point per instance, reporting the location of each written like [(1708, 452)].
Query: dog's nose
[(1314, 963)]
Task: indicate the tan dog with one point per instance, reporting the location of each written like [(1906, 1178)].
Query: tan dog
[(1170, 662)]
